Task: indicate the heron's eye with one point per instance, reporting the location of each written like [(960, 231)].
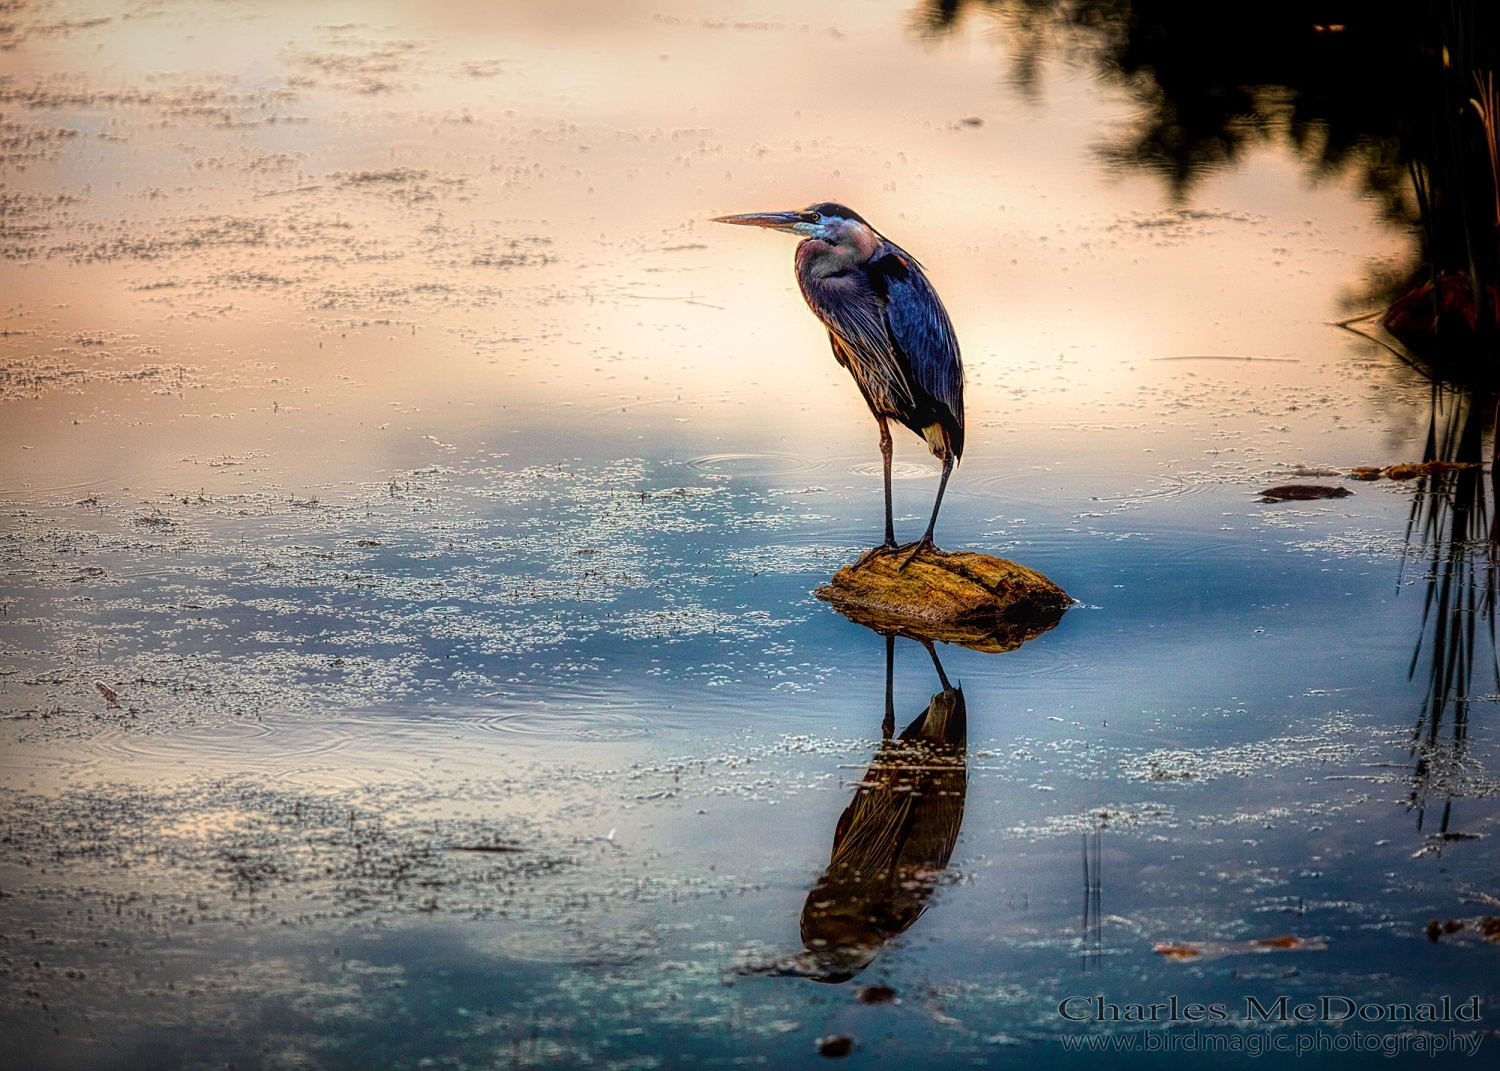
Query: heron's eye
[(811, 217)]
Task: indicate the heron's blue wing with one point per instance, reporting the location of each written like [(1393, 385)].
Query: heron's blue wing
[(920, 327), (855, 317)]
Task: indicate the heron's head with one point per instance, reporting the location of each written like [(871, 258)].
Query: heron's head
[(827, 222)]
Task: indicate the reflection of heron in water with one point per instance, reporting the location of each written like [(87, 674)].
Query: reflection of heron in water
[(894, 839)]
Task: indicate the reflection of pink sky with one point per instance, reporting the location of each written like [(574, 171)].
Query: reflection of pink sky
[(573, 128)]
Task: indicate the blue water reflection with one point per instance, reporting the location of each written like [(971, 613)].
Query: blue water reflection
[(413, 518)]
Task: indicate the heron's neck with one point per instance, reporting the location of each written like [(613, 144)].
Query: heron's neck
[(822, 257)]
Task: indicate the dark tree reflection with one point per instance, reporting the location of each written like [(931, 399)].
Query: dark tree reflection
[(1386, 91), (1401, 95)]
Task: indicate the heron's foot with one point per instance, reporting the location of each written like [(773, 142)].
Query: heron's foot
[(875, 552), (916, 548)]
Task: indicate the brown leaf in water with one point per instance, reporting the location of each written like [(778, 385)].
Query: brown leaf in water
[(1287, 944), (1278, 942), (1216, 949), (1177, 951)]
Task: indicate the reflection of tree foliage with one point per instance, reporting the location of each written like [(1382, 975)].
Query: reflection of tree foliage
[(1346, 83), (1034, 30), (1380, 90)]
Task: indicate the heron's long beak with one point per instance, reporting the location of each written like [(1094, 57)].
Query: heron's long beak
[(780, 221)]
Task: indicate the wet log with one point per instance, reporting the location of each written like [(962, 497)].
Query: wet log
[(974, 600)]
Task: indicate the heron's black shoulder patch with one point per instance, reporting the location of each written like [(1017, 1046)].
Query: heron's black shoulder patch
[(887, 266), (833, 208), (891, 262)]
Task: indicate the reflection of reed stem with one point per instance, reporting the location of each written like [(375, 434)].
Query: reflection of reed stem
[(1093, 892), (1422, 188), (1487, 106), (1449, 526)]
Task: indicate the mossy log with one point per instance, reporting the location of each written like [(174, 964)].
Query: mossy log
[(974, 600)]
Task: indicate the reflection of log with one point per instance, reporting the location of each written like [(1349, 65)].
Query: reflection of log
[(1418, 313), (988, 604), (1441, 327)]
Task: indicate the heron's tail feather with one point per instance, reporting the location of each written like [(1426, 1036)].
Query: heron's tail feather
[(937, 441)]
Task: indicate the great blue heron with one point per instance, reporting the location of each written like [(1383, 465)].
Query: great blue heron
[(887, 326)]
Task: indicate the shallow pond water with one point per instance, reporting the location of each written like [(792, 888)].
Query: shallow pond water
[(413, 505)]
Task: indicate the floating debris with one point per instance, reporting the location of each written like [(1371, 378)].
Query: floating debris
[(1213, 950), (1412, 470), (1404, 471), (1435, 842), (484, 848), (1177, 951), (1487, 926), (1278, 942), (835, 1046), (1302, 492), (110, 695), (877, 994)]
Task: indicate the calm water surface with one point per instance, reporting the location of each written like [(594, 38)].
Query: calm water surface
[(440, 495)]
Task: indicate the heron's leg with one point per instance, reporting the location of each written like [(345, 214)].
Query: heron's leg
[(885, 454), (937, 665), (888, 726), (926, 540)]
